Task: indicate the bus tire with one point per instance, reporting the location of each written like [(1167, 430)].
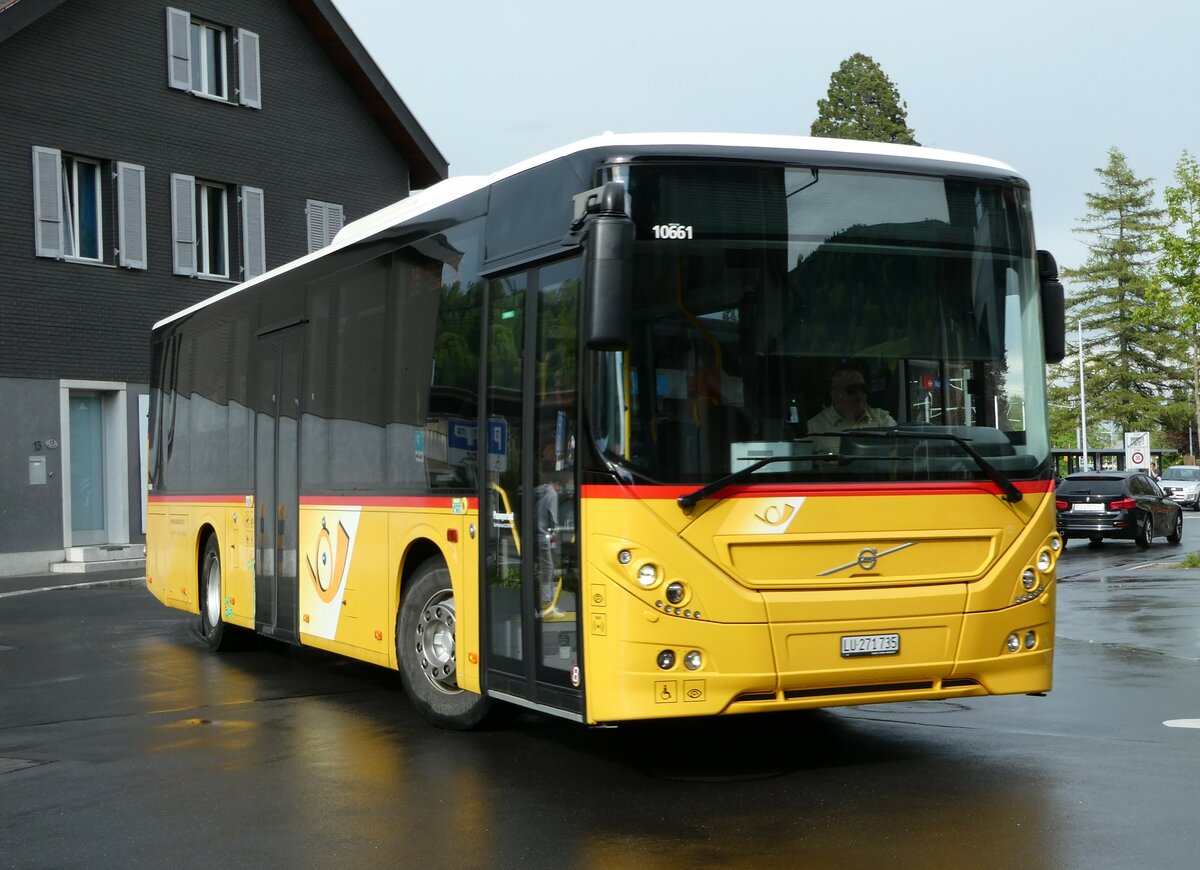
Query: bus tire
[(426, 654), (217, 635)]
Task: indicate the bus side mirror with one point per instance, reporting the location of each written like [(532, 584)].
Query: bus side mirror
[(608, 270), (1054, 308)]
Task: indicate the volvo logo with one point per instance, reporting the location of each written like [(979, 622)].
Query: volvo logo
[(867, 559)]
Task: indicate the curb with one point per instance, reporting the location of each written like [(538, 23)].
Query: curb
[(31, 585)]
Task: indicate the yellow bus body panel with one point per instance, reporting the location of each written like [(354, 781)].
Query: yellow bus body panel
[(350, 559), (175, 532), (773, 583)]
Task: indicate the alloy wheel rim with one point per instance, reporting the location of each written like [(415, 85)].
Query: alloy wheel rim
[(435, 642), (212, 593)]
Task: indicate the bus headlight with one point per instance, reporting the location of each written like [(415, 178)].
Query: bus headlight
[(1045, 561), (666, 659), (1029, 579), (692, 660), (1013, 643), (648, 575), (676, 592)]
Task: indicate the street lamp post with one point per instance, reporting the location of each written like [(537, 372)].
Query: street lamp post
[(1082, 405)]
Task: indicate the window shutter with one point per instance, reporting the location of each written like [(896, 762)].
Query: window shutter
[(335, 220), (324, 221), (47, 202), (254, 242), (131, 215), (249, 83), (179, 60), (183, 223), (316, 225)]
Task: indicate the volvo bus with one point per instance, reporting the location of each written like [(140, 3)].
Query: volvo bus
[(547, 437)]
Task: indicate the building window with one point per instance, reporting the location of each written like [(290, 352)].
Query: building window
[(212, 230), (324, 221), (199, 59), (69, 194), (202, 225), (207, 48), (82, 228)]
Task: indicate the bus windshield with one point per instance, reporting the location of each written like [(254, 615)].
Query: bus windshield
[(778, 310)]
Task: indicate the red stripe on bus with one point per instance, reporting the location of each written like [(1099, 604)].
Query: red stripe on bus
[(197, 499), (418, 501), (849, 490), (408, 501)]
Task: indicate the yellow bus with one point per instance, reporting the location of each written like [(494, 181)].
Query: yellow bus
[(648, 426)]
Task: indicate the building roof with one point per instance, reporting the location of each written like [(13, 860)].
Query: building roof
[(426, 164)]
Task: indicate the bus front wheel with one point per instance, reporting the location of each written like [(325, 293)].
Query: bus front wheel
[(426, 652)]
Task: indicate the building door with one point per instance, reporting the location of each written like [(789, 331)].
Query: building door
[(276, 492), (88, 482), (529, 504)]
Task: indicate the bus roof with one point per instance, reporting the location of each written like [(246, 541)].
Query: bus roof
[(443, 192)]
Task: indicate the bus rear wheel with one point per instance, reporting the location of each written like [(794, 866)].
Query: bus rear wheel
[(426, 651), (216, 633)]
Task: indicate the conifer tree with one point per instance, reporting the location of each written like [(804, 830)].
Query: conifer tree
[(862, 103), (1128, 358), (1174, 298)]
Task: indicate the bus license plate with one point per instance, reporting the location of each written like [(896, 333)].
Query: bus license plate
[(870, 645)]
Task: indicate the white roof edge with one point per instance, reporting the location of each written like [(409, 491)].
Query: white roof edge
[(457, 186)]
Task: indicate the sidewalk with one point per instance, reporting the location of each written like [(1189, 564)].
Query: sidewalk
[(39, 582)]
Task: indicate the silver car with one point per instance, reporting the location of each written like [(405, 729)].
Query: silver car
[(1182, 484)]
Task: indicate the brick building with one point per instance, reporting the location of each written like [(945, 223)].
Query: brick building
[(152, 156)]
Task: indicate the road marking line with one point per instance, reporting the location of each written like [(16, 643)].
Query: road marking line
[(1182, 723)]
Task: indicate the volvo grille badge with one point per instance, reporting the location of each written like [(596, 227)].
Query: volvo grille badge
[(867, 559)]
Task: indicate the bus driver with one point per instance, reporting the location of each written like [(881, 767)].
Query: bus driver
[(848, 409)]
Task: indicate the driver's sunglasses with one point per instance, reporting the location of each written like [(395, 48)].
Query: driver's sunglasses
[(855, 389)]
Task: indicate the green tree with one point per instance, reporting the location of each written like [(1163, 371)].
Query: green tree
[(1128, 358), (1174, 298), (862, 103)]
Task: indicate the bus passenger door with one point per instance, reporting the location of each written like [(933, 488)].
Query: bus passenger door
[(530, 498), (276, 493)]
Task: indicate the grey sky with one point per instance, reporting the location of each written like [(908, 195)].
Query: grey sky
[(1047, 86)]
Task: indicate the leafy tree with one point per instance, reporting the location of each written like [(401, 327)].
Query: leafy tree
[(862, 103), (1128, 359), (1175, 296)]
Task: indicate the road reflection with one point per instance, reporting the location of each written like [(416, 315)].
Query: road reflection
[(330, 751)]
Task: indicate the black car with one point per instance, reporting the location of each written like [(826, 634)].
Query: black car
[(1116, 504)]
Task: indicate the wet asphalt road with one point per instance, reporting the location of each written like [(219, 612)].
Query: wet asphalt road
[(124, 743)]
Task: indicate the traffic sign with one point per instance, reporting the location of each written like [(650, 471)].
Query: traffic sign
[(1137, 450)]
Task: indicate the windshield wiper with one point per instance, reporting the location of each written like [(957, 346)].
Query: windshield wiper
[(689, 501), (1011, 493), (622, 471)]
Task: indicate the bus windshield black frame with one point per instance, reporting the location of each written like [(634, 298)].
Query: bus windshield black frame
[(756, 284)]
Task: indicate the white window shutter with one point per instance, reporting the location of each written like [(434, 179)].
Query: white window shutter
[(249, 80), (317, 233), (183, 223), (131, 215), (47, 202), (335, 220), (254, 234), (324, 221), (179, 59)]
